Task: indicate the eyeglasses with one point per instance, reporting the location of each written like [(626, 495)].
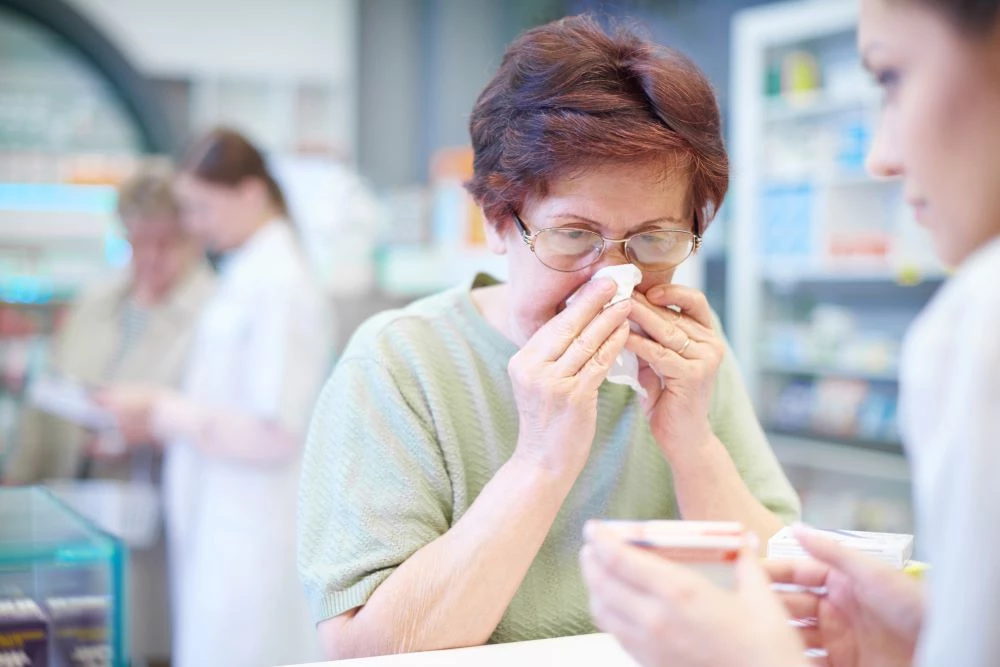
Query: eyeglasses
[(570, 249)]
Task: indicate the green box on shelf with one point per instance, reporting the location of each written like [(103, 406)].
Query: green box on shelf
[(61, 578)]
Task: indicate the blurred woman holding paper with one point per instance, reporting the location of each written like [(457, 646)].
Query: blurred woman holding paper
[(938, 63), (462, 442), (137, 328)]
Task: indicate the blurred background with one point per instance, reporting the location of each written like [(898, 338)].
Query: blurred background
[(362, 107)]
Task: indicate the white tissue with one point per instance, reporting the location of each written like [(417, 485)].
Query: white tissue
[(625, 369)]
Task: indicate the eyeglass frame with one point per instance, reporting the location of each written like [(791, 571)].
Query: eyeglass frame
[(529, 240)]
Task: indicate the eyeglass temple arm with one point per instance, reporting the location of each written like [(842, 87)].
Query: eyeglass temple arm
[(525, 235), (520, 226)]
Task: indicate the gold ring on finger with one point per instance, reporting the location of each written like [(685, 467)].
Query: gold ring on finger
[(685, 346)]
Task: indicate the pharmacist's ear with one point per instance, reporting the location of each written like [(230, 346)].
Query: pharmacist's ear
[(496, 234)]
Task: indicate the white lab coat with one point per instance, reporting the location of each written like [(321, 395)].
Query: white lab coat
[(264, 346), (950, 416)]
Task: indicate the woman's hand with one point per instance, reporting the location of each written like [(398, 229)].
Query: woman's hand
[(683, 349), (556, 376), (132, 407), (861, 611), (665, 614)]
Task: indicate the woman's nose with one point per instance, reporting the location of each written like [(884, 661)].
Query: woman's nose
[(883, 159), (614, 255)]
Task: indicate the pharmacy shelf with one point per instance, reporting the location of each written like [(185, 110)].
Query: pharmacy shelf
[(850, 444), (821, 181), (827, 456), (793, 272), (814, 107), (414, 271), (830, 371), (33, 228), (57, 197)]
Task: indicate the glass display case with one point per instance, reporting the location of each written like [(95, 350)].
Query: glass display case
[(62, 586)]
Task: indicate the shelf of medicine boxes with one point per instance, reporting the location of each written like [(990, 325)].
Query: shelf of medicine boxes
[(819, 452), (417, 270), (807, 213), (837, 385), (815, 106), (887, 376), (53, 238)]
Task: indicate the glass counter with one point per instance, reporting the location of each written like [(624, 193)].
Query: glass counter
[(62, 586)]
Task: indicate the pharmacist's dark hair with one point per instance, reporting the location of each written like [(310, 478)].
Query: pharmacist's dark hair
[(226, 157), (571, 95), (975, 17)]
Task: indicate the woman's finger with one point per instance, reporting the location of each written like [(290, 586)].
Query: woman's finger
[(666, 363), (800, 605), (586, 346), (855, 565), (797, 572), (611, 621), (670, 336), (595, 370), (677, 319), (657, 326), (555, 336), (643, 571), (609, 594), (812, 636), (691, 302)]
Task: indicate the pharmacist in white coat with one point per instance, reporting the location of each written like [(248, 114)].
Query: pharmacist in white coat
[(233, 434), (938, 64)]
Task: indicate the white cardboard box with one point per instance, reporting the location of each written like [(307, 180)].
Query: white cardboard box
[(892, 548)]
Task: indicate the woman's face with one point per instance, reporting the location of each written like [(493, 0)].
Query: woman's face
[(161, 253), (614, 200), (940, 126), (219, 216)]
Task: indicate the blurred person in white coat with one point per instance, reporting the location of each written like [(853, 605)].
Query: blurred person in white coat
[(938, 64), (233, 435)]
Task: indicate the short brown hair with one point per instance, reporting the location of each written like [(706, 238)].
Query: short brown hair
[(569, 95), (226, 157), (148, 194)]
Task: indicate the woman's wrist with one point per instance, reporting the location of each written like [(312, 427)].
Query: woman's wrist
[(691, 448), (171, 417), (543, 470)]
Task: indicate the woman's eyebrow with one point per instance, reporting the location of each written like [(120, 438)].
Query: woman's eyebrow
[(655, 221)]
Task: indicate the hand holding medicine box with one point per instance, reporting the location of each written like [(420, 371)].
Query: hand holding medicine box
[(710, 547), (892, 548)]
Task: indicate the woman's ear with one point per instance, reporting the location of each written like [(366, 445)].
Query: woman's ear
[(496, 236)]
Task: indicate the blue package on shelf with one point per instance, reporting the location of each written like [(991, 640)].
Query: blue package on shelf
[(855, 137), (872, 415), (793, 408), (447, 215), (99, 199), (26, 289), (787, 221)]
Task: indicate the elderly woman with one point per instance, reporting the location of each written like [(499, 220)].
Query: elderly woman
[(463, 442)]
